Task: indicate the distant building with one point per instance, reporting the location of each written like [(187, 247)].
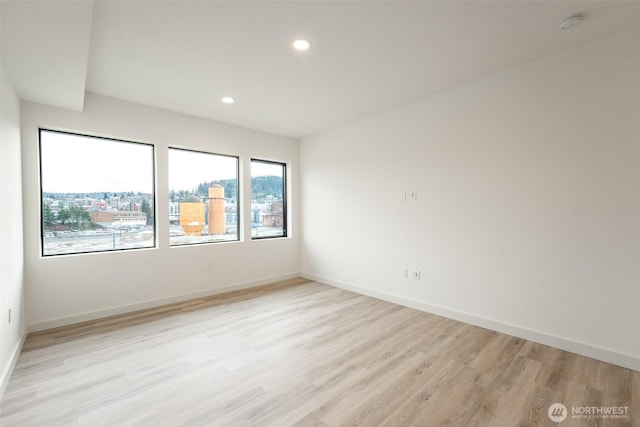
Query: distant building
[(174, 212), (83, 202), (117, 219), (98, 204), (274, 218)]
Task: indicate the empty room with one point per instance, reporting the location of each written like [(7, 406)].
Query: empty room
[(319, 213)]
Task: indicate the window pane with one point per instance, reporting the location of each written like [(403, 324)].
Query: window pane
[(203, 197), (97, 194), (268, 199)]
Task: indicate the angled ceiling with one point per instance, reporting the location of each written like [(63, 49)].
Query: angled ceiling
[(45, 49), (365, 57)]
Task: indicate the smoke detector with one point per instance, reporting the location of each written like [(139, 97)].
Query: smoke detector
[(570, 22)]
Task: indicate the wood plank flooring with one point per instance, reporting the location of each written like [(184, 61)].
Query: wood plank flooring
[(301, 353)]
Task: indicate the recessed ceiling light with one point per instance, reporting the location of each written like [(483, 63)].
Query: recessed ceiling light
[(570, 22), (228, 100), (301, 45)]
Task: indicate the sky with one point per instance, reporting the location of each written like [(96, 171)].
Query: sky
[(80, 164), (266, 169), (187, 169)]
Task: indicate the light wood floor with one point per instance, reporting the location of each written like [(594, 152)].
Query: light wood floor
[(301, 353)]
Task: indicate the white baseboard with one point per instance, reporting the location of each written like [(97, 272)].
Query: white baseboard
[(70, 320), (620, 359), (11, 364)]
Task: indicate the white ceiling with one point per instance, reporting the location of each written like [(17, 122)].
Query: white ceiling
[(365, 56), (45, 49)]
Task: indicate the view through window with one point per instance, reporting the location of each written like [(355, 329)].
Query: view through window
[(203, 197), (268, 199), (97, 194)]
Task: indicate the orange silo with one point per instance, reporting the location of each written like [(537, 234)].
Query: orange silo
[(216, 210), (192, 216)]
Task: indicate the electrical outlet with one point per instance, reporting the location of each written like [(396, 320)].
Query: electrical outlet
[(403, 196), (405, 273), (415, 274)]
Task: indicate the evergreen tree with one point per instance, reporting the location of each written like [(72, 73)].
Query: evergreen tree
[(146, 208), (48, 216), (79, 216), (63, 216), (230, 188)]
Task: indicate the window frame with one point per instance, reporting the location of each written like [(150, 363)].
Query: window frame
[(285, 198), (238, 202), (105, 138)]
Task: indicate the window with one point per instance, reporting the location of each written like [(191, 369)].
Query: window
[(97, 194), (268, 199), (203, 197)]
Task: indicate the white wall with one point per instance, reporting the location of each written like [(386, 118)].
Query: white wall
[(67, 289), (11, 243), (528, 212)]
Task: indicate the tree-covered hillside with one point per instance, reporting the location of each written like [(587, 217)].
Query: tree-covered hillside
[(261, 187)]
